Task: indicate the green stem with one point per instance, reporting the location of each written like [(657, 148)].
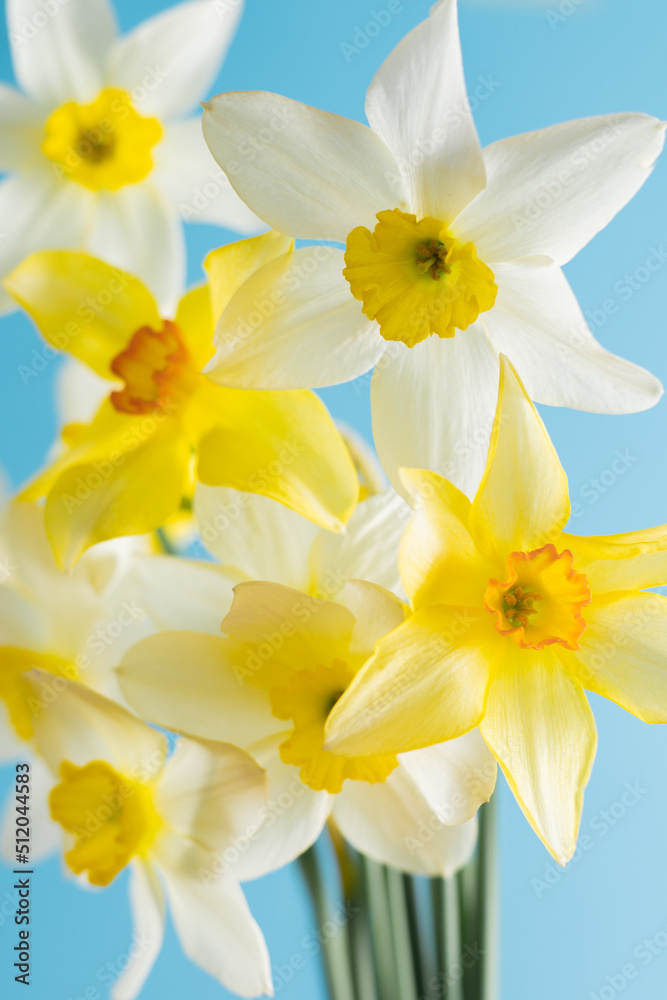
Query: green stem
[(420, 958), (400, 930), (335, 950), (381, 935), (487, 903)]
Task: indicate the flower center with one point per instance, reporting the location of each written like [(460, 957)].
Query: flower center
[(415, 278), (112, 818), (156, 371), (16, 692), (541, 599), (306, 701), (106, 144)]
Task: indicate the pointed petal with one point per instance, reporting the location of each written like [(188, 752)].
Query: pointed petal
[(283, 445), (21, 130), (426, 683), (455, 777), (55, 288), (549, 192), (148, 917), (623, 654), (308, 173), (447, 390), (440, 562), (60, 56), (538, 323), (230, 266), (171, 59), (377, 611), (417, 103), (129, 225), (132, 486), (293, 325), (73, 723), (181, 593), (194, 184), (633, 561), (367, 551), (522, 502), (393, 824), (256, 538), (541, 729), (188, 682)]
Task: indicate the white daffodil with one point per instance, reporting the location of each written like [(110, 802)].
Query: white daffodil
[(99, 152), (74, 626), (123, 801), (290, 650), (452, 254)]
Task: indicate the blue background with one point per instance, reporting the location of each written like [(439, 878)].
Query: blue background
[(565, 934)]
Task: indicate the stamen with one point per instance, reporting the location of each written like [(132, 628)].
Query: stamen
[(518, 605), (431, 258)]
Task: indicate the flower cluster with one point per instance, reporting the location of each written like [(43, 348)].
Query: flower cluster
[(346, 653)]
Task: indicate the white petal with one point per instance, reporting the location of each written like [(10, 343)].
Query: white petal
[(307, 173), (186, 681), (377, 611), (195, 185), (79, 392), (21, 131), (549, 192), (368, 550), (182, 593), (455, 777), (148, 917), (215, 926), (418, 104), (137, 230), (169, 61), (59, 50), (294, 324), (392, 823), (11, 747), (254, 537), (38, 212), (538, 324), (295, 817), (76, 724), (212, 792), (447, 391)]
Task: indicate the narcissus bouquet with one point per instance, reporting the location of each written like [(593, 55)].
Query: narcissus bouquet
[(227, 641)]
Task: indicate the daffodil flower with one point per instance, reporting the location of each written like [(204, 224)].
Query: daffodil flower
[(99, 153), (127, 471), (122, 801), (270, 682), (452, 254), (513, 619), (75, 626)]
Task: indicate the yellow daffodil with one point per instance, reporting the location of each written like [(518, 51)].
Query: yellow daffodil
[(440, 255), (513, 619), (292, 647), (99, 151), (164, 423), (123, 801)]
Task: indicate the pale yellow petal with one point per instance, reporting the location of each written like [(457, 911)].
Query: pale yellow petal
[(283, 445), (633, 561), (623, 653), (230, 266), (83, 305), (425, 684), (540, 727), (439, 559), (522, 501)]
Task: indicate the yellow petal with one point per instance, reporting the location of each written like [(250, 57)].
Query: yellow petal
[(194, 318), (285, 631), (230, 266), (283, 445), (439, 560), (83, 305), (633, 561), (522, 501), (540, 727), (623, 654), (426, 683), (130, 488)]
